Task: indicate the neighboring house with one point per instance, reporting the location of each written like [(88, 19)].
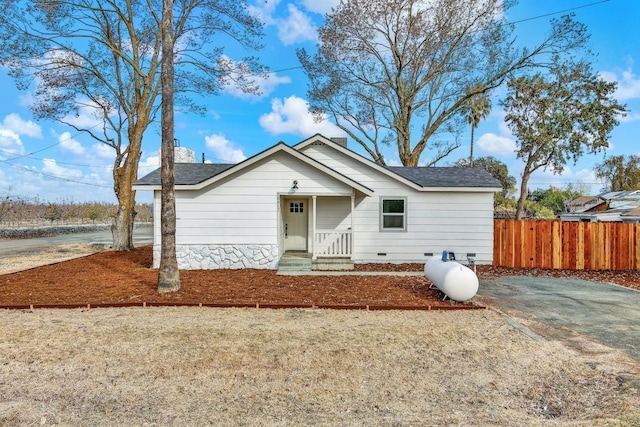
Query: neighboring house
[(587, 204), (615, 206), (322, 199)]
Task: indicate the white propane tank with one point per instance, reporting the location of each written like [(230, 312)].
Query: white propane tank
[(455, 280)]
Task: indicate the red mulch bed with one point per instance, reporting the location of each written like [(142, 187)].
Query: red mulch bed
[(111, 278)]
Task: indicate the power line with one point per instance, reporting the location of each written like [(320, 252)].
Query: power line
[(29, 156), (60, 178), (560, 11)]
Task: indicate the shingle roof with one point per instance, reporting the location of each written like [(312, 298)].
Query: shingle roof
[(195, 173), (447, 176), (187, 173)]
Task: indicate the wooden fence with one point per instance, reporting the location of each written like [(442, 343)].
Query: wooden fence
[(566, 245)]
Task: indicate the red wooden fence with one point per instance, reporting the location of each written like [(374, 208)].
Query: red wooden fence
[(566, 245)]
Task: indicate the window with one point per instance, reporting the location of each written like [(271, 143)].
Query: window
[(393, 214), (297, 207)]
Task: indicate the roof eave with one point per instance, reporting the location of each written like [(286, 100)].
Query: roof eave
[(462, 189), (146, 187)]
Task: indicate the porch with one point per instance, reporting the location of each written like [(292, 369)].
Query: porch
[(317, 232)]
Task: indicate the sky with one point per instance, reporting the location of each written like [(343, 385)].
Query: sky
[(50, 162)]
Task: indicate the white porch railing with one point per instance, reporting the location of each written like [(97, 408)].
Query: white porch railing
[(332, 243)]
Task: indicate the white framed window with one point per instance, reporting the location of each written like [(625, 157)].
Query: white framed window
[(296, 207), (393, 213)]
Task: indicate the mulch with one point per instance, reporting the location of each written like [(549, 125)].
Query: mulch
[(125, 278)]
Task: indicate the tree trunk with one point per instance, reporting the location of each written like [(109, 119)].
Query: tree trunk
[(471, 149), (168, 273), (123, 178), (122, 225), (524, 191)]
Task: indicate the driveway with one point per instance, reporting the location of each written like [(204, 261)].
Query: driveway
[(141, 236), (609, 314)]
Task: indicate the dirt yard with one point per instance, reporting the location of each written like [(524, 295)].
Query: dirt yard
[(247, 366), (203, 366)]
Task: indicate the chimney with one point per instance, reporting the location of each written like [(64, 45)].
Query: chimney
[(340, 141), (183, 155)]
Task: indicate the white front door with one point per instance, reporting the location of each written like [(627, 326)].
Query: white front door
[(296, 214)]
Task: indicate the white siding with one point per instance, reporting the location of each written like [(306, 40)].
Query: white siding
[(333, 213), (461, 222), (244, 209)]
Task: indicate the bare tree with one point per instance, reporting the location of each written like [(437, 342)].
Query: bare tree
[(402, 72), (559, 117), (168, 273), (103, 56)]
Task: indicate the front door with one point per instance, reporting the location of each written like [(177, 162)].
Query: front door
[(295, 224)]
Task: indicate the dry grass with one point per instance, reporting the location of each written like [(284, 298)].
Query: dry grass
[(36, 257), (190, 366)]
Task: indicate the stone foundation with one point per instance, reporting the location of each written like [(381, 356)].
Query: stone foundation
[(212, 257)]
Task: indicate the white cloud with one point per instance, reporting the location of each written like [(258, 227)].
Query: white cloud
[(70, 144), (293, 116), (628, 84), (630, 117), (89, 115), (11, 130), (103, 151), (50, 166), (264, 10), (10, 142), (265, 84), (14, 123), (296, 28), (322, 7), (497, 145), (585, 175), (149, 164), (223, 149)]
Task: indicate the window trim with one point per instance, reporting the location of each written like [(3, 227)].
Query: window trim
[(382, 214), (296, 207)]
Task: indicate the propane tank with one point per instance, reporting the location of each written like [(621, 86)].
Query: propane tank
[(455, 280)]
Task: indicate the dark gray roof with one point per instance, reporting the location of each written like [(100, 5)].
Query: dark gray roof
[(187, 173), (195, 173), (447, 176)]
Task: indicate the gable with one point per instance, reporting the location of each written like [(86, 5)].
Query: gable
[(196, 176), (419, 178)]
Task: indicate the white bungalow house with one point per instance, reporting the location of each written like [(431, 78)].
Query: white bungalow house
[(322, 200)]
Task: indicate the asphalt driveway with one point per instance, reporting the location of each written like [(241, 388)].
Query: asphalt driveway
[(610, 314), (141, 236)]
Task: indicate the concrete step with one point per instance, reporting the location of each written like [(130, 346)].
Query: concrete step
[(294, 264), (332, 264)]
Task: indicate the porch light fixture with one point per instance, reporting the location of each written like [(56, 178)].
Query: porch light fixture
[(295, 185)]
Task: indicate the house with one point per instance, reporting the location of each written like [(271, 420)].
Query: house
[(324, 201), (587, 204), (614, 206)]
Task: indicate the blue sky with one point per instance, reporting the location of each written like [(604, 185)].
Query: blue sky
[(54, 163)]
